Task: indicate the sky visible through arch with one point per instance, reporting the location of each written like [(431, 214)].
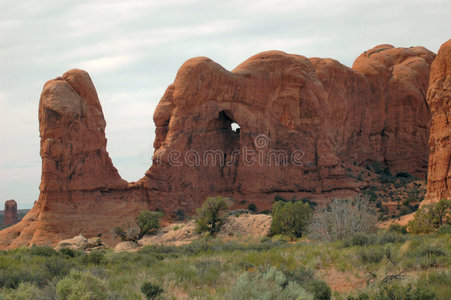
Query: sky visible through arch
[(133, 49)]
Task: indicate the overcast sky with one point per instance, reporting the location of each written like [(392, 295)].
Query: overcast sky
[(133, 49)]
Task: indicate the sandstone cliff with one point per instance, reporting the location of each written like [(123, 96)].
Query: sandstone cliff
[(439, 100), (303, 122)]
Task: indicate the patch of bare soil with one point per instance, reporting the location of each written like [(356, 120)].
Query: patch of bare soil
[(342, 282)]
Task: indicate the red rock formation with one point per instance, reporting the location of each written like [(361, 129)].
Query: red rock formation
[(81, 191), (278, 102), (397, 112), (10, 212), (439, 100), (301, 121)]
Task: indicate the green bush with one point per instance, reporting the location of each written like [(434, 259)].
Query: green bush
[(96, 257), (306, 279), (42, 251), (151, 291), (371, 255), (429, 256), (69, 252), (25, 291), (403, 291), (405, 210), (210, 216), (360, 239), (319, 289), (290, 218), (431, 217), (381, 239), (270, 284), (398, 228), (252, 207), (80, 285), (445, 229), (147, 222)]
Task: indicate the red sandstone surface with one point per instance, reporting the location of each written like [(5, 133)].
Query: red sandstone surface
[(439, 100)]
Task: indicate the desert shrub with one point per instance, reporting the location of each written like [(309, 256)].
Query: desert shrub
[(290, 218), (45, 251), (11, 279), (422, 222), (252, 207), (360, 239), (306, 279), (147, 222), (403, 289), (428, 250), (439, 282), (25, 291), (180, 215), (405, 210), (371, 255), (270, 284), (311, 203), (429, 256), (80, 285), (319, 289), (389, 237), (398, 228), (445, 229), (57, 267), (431, 217), (94, 257), (300, 274), (343, 218), (210, 216), (150, 290), (70, 252), (442, 212), (403, 175)]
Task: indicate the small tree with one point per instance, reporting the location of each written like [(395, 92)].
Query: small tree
[(430, 217), (147, 222), (210, 216), (442, 212), (290, 218), (343, 218)]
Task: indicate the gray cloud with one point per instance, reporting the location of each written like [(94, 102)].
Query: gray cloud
[(133, 49)]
